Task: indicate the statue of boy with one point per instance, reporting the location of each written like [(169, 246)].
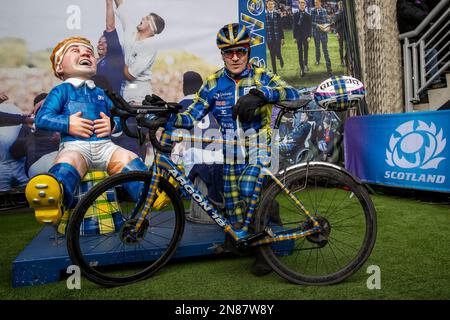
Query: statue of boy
[(80, 112)]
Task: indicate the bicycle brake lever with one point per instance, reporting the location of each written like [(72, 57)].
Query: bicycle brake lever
[(141, 137)]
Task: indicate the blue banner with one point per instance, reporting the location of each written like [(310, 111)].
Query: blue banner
[(252, 14), (404, 150)]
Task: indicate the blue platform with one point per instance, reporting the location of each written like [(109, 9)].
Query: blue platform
[(45, 259)]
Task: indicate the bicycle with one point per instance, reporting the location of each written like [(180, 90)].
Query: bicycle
[(326, 232)]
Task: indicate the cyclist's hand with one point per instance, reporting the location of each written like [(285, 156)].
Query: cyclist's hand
[(246, 105), (153, 100), (152, 121)]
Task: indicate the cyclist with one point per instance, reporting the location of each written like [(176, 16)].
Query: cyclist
[(240, 96)]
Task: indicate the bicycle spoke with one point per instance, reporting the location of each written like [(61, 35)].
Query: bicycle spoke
[(323, 192), (307, 260), (345, 219), (299, 249), (338, 248), (343, 231), (155, 234), (317, 260), (162, 222), (324, 262), (124, 255), (344, 243), (339, 206), (98, 244), (334, 254)]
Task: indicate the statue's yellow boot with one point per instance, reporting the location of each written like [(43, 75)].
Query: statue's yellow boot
[(45, 195)]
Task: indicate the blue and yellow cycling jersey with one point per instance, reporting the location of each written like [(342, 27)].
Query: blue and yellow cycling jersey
[(218, 95), (221, 91)]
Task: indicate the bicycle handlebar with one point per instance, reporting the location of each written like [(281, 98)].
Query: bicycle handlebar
[(123, 110), (153, 125)]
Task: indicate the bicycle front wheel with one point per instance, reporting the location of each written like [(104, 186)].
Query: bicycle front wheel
[(347, 221), (102, 238)]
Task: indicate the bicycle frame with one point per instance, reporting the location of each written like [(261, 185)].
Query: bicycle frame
[(163, 162)]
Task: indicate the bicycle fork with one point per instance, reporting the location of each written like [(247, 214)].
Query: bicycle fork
[(150, 198)]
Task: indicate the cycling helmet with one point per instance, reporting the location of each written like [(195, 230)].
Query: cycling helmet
[(339, 93), (231, 35)]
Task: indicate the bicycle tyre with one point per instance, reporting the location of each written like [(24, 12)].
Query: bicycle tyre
[(164, 229), (313, 183)]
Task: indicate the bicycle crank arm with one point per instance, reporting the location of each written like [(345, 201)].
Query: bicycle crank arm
[(251, 239), (284, 237)]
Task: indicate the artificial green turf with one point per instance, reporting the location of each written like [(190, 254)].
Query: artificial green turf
[(411, 250)]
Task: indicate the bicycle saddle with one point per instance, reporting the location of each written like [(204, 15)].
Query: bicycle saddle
[(295, 104)]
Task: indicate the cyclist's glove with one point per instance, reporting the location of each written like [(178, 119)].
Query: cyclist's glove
[(153, 100), (246, 105), (160, 117)]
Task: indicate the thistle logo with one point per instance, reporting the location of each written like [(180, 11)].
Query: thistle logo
[(255, 7), (258, 62), (415, 144)]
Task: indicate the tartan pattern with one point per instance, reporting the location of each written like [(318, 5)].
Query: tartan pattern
[(273, 87), (341, 92), (248, 180), (318, 16), (239, 184), (231, 172), (102, 218), (274, 29)]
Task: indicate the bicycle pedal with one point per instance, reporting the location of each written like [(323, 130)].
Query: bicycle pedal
[(217, 248), (252, 238), (231, 246)]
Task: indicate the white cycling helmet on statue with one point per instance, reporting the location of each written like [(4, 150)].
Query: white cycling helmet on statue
[(339, 93)]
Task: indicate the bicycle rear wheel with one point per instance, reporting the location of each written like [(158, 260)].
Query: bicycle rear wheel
[(114, 254), (345, 213)]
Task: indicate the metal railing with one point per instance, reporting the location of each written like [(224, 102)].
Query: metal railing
[(426, 58)]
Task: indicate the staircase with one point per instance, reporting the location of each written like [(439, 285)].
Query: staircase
[(427, 45), (436, 97)]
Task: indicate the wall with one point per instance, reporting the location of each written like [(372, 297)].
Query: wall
[(380, 55)]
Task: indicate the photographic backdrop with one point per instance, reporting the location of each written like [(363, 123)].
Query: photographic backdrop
[(186, 52)]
